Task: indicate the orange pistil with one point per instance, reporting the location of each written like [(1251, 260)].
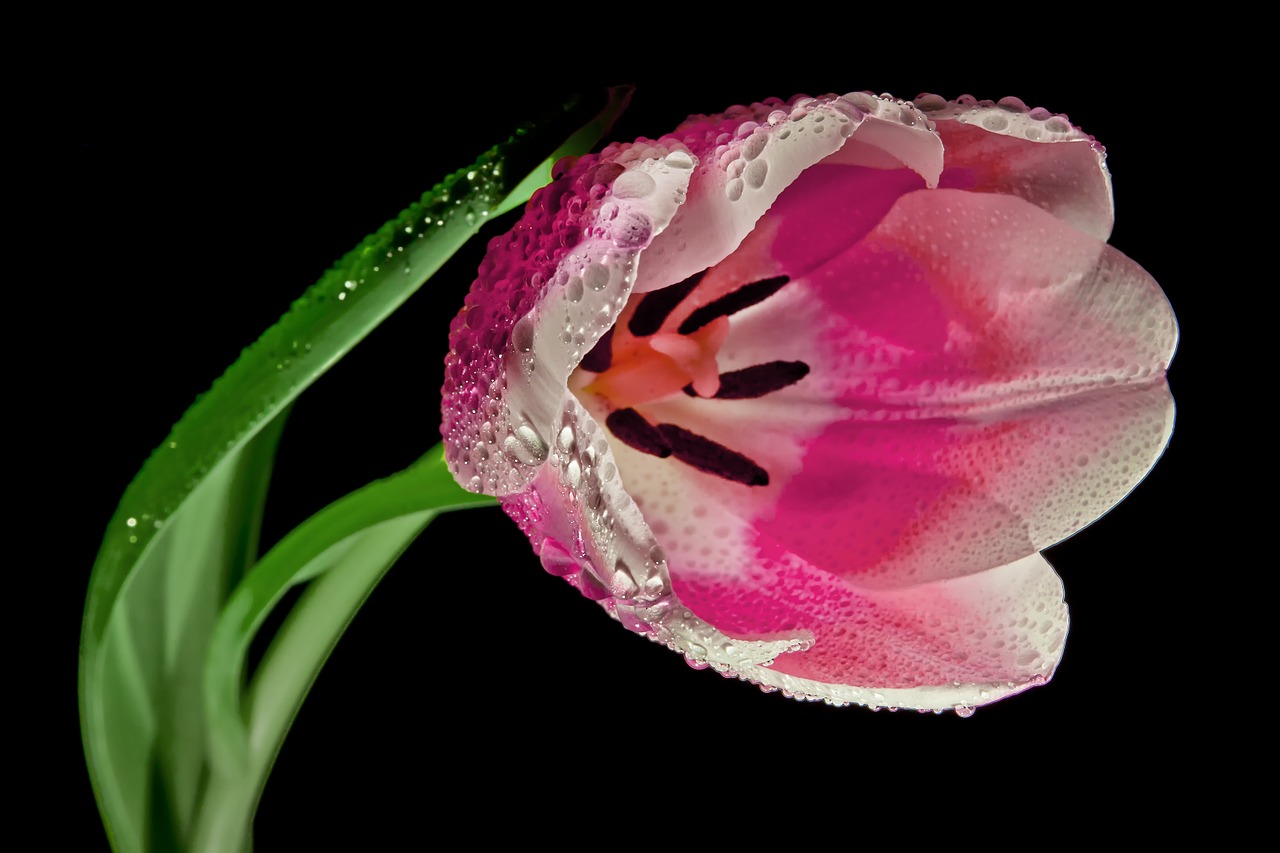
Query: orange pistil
[(655, 366)]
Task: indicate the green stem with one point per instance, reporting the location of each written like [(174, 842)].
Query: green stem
[(346, 548)]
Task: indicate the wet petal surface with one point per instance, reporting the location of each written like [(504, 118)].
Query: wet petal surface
[(802, 389)]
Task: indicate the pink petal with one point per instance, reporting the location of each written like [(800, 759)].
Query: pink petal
[(741, 598), (1007, 149), (1004, 387), (964, 641), (748, 156)]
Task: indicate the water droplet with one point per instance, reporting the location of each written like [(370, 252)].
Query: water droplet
[(566, 439), (633, 184), (679, 160), (964, 711), (995, 121), (522, 335), (624, 583), (596, 277), (929, 102)]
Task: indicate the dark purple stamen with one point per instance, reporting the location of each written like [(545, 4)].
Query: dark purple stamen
[(731, 303), (706, 455), (654, 308), (601, 356), (751, 382), (633, 430)]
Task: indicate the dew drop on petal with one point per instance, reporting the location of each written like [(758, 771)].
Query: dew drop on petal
[(566, 440), (574, 290), (596, 277), (679, 160), (995, 121), (1028, 657), (624, 582), (634, 184), (522, 335), (929, 102), (525, 445)]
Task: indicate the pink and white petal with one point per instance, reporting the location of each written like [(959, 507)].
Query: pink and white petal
[(1002, 388), (1007, 149), (986, 298), (741, 597), (749, 155), (956, 643), (583, 523), (547, 291), (893, 135), (893, 504), (1055, 342), (587, 528)]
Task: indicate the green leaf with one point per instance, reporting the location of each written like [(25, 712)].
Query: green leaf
[(186, 528), (150, 699), (346, 548)]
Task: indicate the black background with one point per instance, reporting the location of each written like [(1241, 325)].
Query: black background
[(191, 201)]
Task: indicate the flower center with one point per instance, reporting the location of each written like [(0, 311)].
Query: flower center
[(648, 357), (658, 365)]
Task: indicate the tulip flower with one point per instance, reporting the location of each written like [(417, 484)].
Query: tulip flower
[(803, 389)]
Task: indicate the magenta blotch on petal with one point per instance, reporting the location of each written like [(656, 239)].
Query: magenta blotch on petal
[(802, 389)]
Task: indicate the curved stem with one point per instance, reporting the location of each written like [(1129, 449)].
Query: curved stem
[(344, 550)]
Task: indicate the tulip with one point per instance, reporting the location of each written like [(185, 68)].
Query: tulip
[(803, 389)]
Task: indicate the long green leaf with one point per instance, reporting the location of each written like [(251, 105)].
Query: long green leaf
[(186, 526), (151, 694), (346, 548)]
